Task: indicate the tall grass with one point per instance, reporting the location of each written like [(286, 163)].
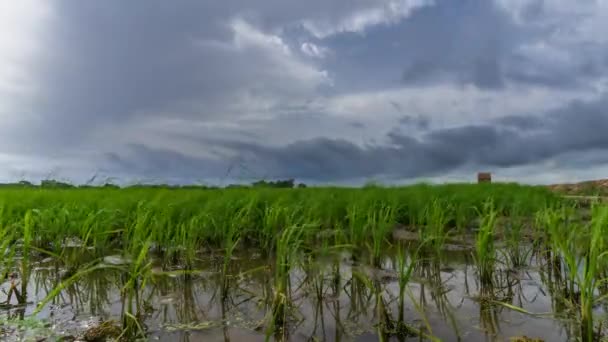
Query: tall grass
[(581, 248), (485, 254), (80, 228), (287, 251), (434, 231)]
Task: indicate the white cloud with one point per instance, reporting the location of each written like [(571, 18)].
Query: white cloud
[(449, 105), (313, 50), (389, 12), (272, 74)]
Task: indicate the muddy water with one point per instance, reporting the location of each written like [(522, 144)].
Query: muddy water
[(333, 298)]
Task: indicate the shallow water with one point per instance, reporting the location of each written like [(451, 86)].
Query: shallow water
[(334, 297)]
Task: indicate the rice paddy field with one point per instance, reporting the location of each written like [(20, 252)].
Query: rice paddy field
[(491, 262)]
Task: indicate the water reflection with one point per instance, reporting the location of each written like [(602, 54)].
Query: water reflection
[(325, 298)]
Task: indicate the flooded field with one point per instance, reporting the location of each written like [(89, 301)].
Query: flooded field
[(334, 298), (81, 272)]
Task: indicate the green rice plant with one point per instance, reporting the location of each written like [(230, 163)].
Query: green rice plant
[(584, 259), (381, 222), (287, 253), (434, 234), (233, 236), (463, 214), (595, 257), (276, 217), (485, 256), (78, 227), (356, 219), (375, 223), (24, 269), (6, 246), (405, 267), (561, 239), (517, 252), (138, 274)]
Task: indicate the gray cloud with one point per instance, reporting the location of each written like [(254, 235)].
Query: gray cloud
[(474, 42), (321, 90), (419, 122), (110, 62), (577, 128), (437, 43)]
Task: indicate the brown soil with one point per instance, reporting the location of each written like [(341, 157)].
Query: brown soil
[(586, 188)]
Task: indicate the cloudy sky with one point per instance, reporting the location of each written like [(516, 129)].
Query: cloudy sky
[(341, 91)]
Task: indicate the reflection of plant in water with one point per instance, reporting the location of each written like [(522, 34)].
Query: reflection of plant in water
[(387, 326), (336, 287), (25, 328), (360, 297), (488, 311), (493, 297), (186, 307), (381, 312), (429, 270), (315, 281)]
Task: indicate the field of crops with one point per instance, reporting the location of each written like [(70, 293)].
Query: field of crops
[(485, 262)]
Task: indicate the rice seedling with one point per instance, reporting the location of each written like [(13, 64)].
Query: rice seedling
[(434, 233), (583, 257), (405, 268), (595, 257), (381, 223), (485, 256), (287, 249), (142, 239)]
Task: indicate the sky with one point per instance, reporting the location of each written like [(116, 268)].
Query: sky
[(325, 92)]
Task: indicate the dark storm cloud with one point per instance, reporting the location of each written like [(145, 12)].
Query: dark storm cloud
[(118, 77), (357, 124), (467, 42), (419, 122), (110, 61), (162, 164), (577, 128), (462, 41), (521, 122)]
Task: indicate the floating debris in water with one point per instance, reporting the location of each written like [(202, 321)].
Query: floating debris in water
[(103, 331), (194, 326), (72, 242), (117, 260)]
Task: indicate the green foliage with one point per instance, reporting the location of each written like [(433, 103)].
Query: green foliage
[(284, 223), (288, 184), (109, 218)]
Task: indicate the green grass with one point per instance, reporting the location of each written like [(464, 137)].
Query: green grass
[(191, 218), (80, 227)]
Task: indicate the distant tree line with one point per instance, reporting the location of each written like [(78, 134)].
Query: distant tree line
[(288, 183), (55, 184)]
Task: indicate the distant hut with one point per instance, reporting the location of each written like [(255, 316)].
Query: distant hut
[(484, 177)]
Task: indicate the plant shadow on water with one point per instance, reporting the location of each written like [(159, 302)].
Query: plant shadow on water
[(436, 275)]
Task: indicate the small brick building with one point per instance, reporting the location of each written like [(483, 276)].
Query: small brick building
[(484, 177)]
